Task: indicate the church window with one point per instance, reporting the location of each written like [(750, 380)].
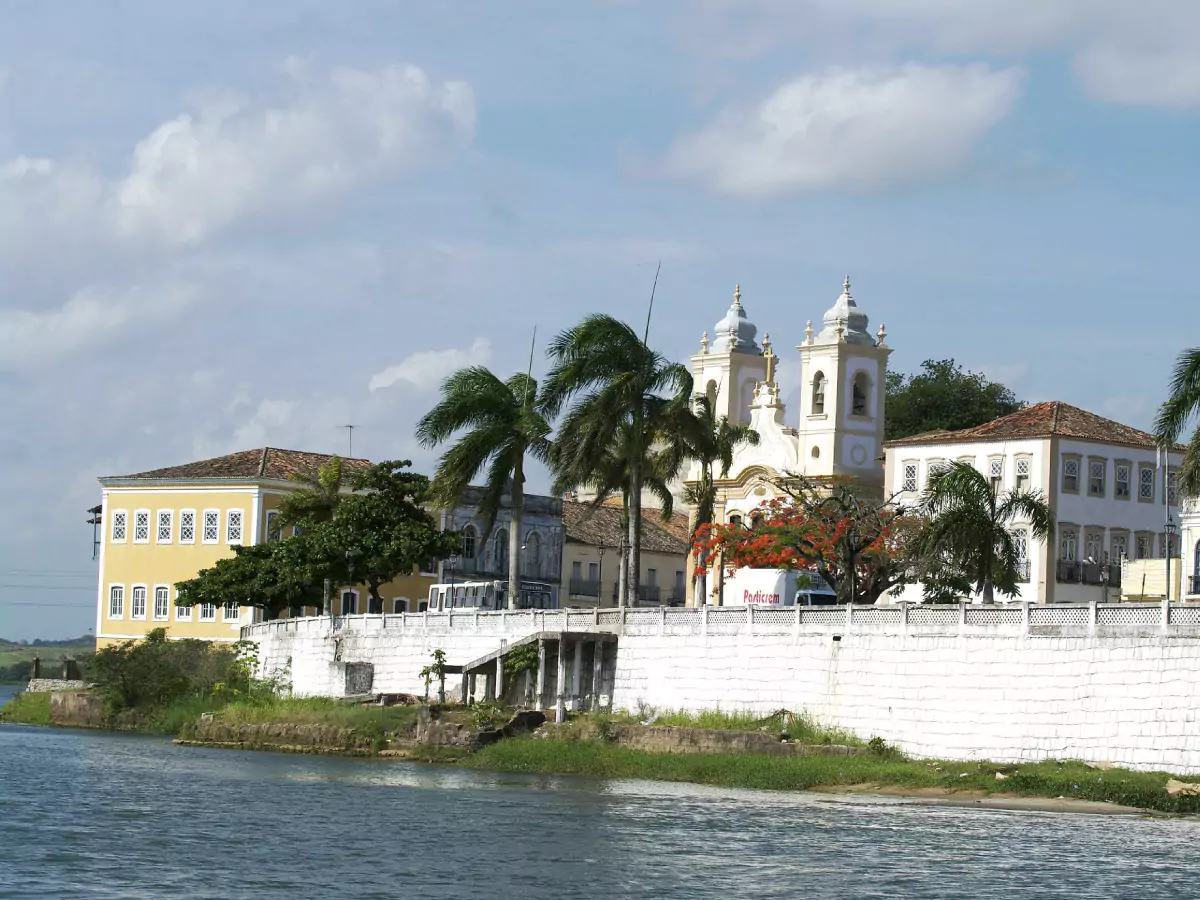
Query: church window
[(818, 394), (858, 395)]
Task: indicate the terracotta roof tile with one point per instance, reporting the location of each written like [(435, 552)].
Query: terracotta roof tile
[(1050, 419), (267, 464), (585, 524)]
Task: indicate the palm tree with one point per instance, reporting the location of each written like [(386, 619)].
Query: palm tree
[(615, 378), (710, 440), (1173, 417), (574, 467), (969, 524), (502, 425)]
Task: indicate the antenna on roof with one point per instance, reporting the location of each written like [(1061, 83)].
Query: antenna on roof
[(350, 451)]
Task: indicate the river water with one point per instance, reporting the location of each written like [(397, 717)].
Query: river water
[(86, 815)]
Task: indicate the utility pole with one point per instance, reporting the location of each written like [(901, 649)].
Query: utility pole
[(350, 449)]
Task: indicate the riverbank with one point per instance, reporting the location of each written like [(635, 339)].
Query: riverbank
[(764, 758)]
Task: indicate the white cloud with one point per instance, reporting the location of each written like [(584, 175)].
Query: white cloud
[(856, 128), (233, 157), (90, 315), (1134, 53), (427, 368), (265, 425)]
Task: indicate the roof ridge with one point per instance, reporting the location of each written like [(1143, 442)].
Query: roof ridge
[(1056, 404), (262, 463)]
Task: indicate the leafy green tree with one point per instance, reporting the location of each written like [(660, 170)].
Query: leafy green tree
[(970, 527), (500, 426), (710, 440), (615, 378), (1181, 407), (273, 577), (943, 396), (382, 530), (317, 501)]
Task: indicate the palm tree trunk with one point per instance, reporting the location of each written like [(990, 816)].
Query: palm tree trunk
[(623, 555), (635, 518), (988, 596), (514, 536)]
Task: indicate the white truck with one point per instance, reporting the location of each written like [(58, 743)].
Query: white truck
[(776, 587)]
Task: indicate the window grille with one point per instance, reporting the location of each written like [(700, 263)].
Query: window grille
[(141, 526), (1023, 473), (1068, 546), (212, 526), (1171, 490), (229, 612), (1120, 546), (1096, 473), (233, 526), (1122, 489), (137, 605), (910, 477), (164, 526), (120, 519), (1071, 475), (161, 602), (187, 526), (468, 542), (116, 601), (1146, 488), (208, 612), (1143, 545)]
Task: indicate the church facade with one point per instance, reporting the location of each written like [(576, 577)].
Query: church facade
[(838, 429)]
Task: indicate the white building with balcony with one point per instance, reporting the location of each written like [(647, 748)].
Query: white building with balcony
[(1189, 531), (1110, 492)]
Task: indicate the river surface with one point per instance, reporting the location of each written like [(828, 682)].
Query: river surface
[(86, 815)]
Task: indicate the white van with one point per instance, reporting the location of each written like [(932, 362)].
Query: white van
[(776, 587)]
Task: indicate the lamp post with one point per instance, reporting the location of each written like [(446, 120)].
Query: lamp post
[(1170, 529), (600, 575)]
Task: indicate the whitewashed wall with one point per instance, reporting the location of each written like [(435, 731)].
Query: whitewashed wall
[(1100, 683)]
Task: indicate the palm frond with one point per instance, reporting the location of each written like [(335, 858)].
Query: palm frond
[(1184, 399), (1187, 479)]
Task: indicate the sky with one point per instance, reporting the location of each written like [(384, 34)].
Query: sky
[(232, 224)]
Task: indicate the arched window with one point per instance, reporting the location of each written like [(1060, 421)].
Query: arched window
[(469, 536), (858, 395), (756, 520), (500, 550), (735, 520), (533, 555), (818, 394), (400, 605)]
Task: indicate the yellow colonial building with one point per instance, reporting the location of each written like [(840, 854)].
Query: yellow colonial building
[(161, 527)]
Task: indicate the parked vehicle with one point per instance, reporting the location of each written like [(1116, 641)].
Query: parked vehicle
[(489, 595), (776, 587)]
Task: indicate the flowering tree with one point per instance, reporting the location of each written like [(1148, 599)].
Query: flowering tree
[(829, 530)]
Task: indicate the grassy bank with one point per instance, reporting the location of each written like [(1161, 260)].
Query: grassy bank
[(799, 727), (27, 709), (1073, 780), (368, 721)]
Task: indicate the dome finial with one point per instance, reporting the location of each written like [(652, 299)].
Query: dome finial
[(808, 332), (737, 295), (846, 285), (881, 335), (704, 342)]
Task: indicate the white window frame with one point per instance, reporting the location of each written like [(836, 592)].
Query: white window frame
[(1144, 482), (996, 474), (1068, 536), (230, 612), (183, 614), (118, 516), (187, 514), (1026, 463), (396, 601), (233, 538), (1118, 542), (909, 484), (1072, 462), (1092, 463), (133, 597), (216, 538), (208, 612), (166, 589), (117, 591), (342, 602), (137, 514), (167, 516)]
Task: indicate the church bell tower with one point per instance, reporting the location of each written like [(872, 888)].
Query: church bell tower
[(728, 368)]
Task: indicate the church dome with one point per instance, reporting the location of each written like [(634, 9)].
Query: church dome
[(735, 333), (853, 321)]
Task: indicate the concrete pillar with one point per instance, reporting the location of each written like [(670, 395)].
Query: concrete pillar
[(528, 696), (560, 706), (474, 687), (541, 676), (577, 678), (463, 688), (597, 672), (499, 677)]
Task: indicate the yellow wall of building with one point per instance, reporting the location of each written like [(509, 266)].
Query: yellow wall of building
[(153, 563), (665, 564)]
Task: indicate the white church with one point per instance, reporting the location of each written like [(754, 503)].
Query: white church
[(841, 416)]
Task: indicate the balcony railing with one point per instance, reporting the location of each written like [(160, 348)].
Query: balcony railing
[(1193, 585), (1023, 571), (1072, 572), (649, 593), (582, 587)]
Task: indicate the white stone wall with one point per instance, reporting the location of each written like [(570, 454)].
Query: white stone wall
[(1100, 683)]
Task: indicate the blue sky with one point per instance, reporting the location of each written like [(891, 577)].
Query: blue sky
[(232, 224)]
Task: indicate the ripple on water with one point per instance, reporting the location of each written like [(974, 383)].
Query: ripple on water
[(91, 815)]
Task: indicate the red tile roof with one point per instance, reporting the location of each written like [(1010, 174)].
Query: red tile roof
[(1050, 419), (266, 464), (585, 524)]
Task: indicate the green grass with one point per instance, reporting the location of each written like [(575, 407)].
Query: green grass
[(1075, 780), (798, 726), (27, 709), (370, 721)]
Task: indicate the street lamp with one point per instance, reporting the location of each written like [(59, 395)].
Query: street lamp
[(1171, 529)]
